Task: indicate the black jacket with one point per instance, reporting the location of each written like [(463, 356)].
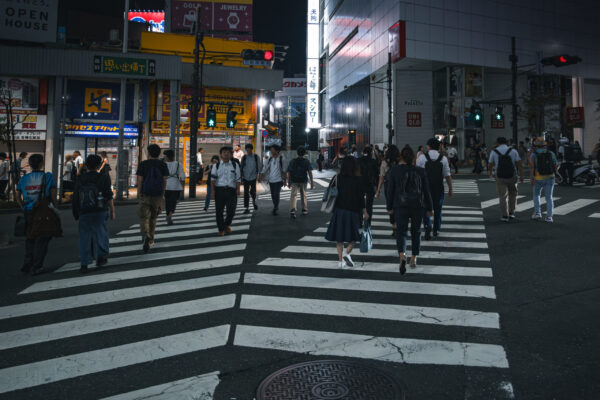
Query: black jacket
[(102, 181), (369, 172), (350, 194), (396, 177)]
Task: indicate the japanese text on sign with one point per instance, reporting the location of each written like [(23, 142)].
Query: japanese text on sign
[(124, 66)]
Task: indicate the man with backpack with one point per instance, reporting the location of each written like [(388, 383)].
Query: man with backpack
[(437, 169), (250, 167), (225, 181), (274, 170), (542, 166), (92, 199), (369, 173), (299, 170), (152, 177), (506, 161)]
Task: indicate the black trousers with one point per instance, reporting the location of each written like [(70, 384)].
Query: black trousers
[(35, 251), (225, 197), (249, 190), (276, 193), (3, 186), (566, 170), (453, 164), (171, 198), (403, 215)]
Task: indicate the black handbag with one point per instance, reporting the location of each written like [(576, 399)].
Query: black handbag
[(20, 226)]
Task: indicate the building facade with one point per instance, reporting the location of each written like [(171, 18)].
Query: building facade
[(449, 57)]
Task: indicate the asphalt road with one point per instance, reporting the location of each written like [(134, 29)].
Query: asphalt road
[(494, 310)]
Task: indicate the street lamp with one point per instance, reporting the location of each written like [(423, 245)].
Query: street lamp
[(278, 104), (348, 110), (262, 102)]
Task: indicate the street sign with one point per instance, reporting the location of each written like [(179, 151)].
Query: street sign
[(124, 66), (575, 115), (265, 133)]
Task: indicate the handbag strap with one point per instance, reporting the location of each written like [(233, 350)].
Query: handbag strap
[(42, 194)]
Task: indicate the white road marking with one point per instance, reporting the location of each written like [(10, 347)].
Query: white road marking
[(178, 234), (181, 243), (190, 224), (379, 267), (444, 225), (201, 387), (443, 234), (74, 365), (529, 204), (62, 330), (83, 300), (444, 218), (392, 242), (461, 212), (399, 350), (163, 270), (393, 312), (139, 258), (371, 285), (595, 215), (572, 206), (321, 182), (389, 253), (135, 228), (494, 202)]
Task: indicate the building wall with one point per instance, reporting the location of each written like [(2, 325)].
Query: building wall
[(591, 102), (462, 31), (413, 95)]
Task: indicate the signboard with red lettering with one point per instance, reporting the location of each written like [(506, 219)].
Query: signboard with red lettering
[(497, 123), (413, 119), (575, 115)]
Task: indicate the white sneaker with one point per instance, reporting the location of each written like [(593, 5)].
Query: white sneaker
[(536, 216), (341, 265), (549, 219), (348, 260)]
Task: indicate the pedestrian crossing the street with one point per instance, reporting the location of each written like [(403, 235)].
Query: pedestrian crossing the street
[(561, 206)]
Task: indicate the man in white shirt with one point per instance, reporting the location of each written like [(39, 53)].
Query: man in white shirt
[(77, 162), (4, 169), (437, 169), (225, 186), (238, 153), (453, 158), (503, 164), (274, 170), (199, 165)]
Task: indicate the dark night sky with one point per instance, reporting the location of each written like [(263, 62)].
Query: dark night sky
[(275, 21)]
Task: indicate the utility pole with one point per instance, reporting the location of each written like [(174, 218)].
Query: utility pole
[(122, 165), (288, 124), (195, 107), (390, 127), (514, 59)]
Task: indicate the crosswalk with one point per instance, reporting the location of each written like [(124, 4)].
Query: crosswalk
[(140, 309), (561, 206), (449, 291), (149, 311), (464, 186)]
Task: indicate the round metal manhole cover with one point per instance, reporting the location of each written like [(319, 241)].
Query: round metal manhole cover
[(329, 380)]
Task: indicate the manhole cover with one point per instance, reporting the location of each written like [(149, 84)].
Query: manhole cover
[(329, 380)]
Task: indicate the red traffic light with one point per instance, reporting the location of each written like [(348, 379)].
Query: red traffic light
[(562, 59), (268, 55)]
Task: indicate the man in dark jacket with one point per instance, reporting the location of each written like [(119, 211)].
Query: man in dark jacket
[(92, 201), (369, 176)]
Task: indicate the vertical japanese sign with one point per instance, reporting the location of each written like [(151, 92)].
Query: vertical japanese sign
[(312, 65)]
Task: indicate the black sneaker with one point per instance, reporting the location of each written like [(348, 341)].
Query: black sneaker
[(101, 261), (435, 234), (393, 233), (255, 206), (304, 213), (293, 215), (205, 209), (274, 211), (83, 269), (427, 234), (246, 211), (25, 269), (512, 216), (146, 244), (37, 271)]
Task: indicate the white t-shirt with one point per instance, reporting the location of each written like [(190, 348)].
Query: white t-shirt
[(226, 175), (434, 154), (76, 163), (452, 152), (238, 154), (502, 149), (273, 167), (176, 175)]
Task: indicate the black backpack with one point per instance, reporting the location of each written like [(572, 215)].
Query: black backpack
[(298, 170), (410, 192), (152, 184), (544, 163), (573, 153), (505, 168), (243, 164), (89, 196), (435, 174)]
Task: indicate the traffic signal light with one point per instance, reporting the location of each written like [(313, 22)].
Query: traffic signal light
[(561, 60), (476, 114), (211, 118), (258, 57), (231, 121), (498, 115)]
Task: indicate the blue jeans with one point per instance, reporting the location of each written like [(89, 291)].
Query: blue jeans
[(437, 215), (548, 186), (93, 235), (275, 193), (208, 194)]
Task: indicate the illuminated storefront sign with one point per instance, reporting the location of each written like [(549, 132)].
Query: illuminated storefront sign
[(156, 19), (124, 66), (100, 130), (312, 65)]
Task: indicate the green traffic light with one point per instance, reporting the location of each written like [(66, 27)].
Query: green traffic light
[(499, 117), (477, 117)]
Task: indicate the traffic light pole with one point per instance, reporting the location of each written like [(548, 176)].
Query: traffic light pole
[(389, 96), (514, 59), (196, 84)]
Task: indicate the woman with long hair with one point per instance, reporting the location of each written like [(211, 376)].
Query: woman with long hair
[(344, 225), (214, 160), (391, 158), (407, 199), (174, 184)]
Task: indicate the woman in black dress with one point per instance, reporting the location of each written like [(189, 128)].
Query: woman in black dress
[(407, 198), (344, 225)]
